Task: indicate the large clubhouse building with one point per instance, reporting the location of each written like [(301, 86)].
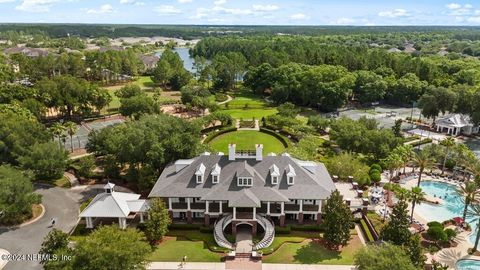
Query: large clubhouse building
[(244, 187)]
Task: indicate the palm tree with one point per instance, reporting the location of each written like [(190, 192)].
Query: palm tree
[(405, 152), (470, 193), (71, 128), (393, 163), (448, 143), (57, 131), (474, 213), (423, 161), (416, 195)]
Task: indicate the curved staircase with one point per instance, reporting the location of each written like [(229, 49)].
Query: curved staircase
[(269, 233), (219, 226)]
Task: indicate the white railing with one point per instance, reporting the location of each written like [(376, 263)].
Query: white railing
[(269, 229), (218, 234)]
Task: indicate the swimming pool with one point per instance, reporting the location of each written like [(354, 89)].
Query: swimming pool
[(467, 264), (452, 204)]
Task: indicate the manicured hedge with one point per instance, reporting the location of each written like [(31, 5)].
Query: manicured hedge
[(282, 139), (206, 229), (180, 226), (366, 230), (307, 228), (214, 134), (424, 141), (283, 230), (209, 129)]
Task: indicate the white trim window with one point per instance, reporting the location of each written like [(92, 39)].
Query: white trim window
[(215, 179), (244, 181), (290, 180), (199, 179), (274, 180)]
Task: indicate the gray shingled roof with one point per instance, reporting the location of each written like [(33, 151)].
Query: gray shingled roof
[(312, 181)]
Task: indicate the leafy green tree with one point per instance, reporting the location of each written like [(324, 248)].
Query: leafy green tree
[(137, 106), (345, 165), (53, 241), (110, 248), (156, 226), (288, 109), (129, 90), (318, 122), (337, 221), (397, 128), (397, 229), (46, 160), (415, 250), (86, 166), (369, 87), (383, 257), (16, 196), (17, 134)]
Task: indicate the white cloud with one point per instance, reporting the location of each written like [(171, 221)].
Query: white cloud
[(396, 13), (6, 1), (299, 17), (184, 1), (35, 5), (132, 2), (265, 7), (232, 11), (107, 8), (344, 21), (220, 2), (453, 6), (167, 10)]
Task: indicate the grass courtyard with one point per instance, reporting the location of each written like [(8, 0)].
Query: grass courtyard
[(247, 105), (246, 139)]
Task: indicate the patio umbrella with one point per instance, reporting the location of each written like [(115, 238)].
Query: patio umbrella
[(458, 220)]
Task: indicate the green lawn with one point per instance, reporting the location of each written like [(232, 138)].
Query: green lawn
[(144, 82), (179, 243), (247, 105), (313, 252), (245, 140)]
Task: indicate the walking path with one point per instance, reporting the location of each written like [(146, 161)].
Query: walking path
[(360, 235), (244, 240), (265, 266), (71, 178), (229, 98)]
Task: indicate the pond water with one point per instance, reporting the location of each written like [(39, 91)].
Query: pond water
[(188, 61), (474, 145), (452, 204)]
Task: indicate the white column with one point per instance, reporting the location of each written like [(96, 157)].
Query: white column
[(170, 204), (141, 217), (221, 207), (89, 222), (254, 213), (319, 206), (206, 207), (268, 208), (188, 204), (122, 223), (282, 208), (234, 213), (301, 206)]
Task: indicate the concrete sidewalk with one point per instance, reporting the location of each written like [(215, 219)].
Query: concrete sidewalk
[(188, 265), (265, 266)]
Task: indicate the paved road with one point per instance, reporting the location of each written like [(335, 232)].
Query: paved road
[(63, 204)]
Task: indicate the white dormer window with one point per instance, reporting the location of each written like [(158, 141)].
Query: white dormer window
[(244, 181), (274, 174), (274, 180), (199, 173), (290, 175), (291, 180), (216, 170)]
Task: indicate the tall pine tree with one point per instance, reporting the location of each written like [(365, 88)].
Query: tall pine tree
[(338, 220)]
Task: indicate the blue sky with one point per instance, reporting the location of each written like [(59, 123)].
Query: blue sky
[(270, 12)]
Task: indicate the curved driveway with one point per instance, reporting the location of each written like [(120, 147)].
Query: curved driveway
[(63, 204)]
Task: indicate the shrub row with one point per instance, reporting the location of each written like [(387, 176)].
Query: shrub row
[(424, 141), (307, 228), (212, 135), (286, 143), (366, 231), (177, 226), (210, 129)]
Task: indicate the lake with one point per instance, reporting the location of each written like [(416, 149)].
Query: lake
[(188, 62)]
